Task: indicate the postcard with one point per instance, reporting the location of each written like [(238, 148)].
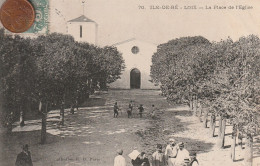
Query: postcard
[(93, 82)]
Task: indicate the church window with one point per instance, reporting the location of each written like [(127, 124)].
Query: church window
[(135, 50), (80, 31)]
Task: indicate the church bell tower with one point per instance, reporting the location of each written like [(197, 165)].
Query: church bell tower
[(83, 29)]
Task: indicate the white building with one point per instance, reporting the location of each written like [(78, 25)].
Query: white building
[(137, 54), (138, 60), (83, 29)]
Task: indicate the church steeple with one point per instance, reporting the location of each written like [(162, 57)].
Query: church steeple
[(82, 28)]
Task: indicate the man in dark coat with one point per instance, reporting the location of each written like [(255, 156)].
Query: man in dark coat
[(24, 158), (141, 160), (116, 108), (141, 110)]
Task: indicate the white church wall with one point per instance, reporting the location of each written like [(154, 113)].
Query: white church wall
[(142, 61), (89, 30)]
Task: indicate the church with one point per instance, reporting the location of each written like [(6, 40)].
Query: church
[(138, 59), (137, 54)]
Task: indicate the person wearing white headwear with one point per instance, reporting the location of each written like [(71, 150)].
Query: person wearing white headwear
[(119, 159), (171, 152), (183, 156)]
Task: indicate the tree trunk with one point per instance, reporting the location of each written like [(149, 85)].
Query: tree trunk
[(233, 143), (44, 123), (240, 138), (62, 110), (62, 114), (195, 102), (21, 118), (191, 105), (199, 112), (222, 134), (72, 109), (212, 125), (257, 130), (248, 155), (205, 117), (211, 120), (220, 125)]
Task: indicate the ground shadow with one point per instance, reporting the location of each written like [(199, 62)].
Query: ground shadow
[(256, 147), (160, 129), (256, 150), (227, 134), (82, 126), (182, 113), (11, 145), (227, 146), (92, 102), (239, 160)]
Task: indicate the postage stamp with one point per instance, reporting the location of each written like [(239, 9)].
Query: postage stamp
[(40, 25)]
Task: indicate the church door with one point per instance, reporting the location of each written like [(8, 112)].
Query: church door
[(135, 79)]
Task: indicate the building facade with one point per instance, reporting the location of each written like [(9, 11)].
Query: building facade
[(138, 60)]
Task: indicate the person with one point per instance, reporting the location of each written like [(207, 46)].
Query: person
[(130, 109), (9, 122), (24, 158), (183, 156), (193, 159), (141, 160), (153, 112), (116, 108), (141, 110), (119, 159), (171, 152), (22, 119), (158, 158), (135, 157), (144, 160)]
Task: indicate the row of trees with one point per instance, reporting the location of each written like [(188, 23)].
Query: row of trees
[(223, 78), (52, 71)]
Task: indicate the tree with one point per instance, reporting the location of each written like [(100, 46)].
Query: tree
[(173, 67), (17, 75), (223, 76)]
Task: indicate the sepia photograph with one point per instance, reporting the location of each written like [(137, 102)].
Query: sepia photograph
[(129, 83)]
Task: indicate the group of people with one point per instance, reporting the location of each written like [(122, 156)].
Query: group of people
[(130, 110), (174, 155)]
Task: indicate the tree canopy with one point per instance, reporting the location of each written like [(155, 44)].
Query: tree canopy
[(223, 76), (53, 68)]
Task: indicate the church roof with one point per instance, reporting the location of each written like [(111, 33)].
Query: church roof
[(132, 39), (81, 18), (125, 41)]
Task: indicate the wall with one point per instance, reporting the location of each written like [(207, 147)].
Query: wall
[(142, 61), (89, 30)]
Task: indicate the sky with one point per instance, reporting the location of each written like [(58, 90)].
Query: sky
[(119, 20)]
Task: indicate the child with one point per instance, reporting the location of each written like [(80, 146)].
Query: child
[(116, 108), (153, 112), (130, 109)]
